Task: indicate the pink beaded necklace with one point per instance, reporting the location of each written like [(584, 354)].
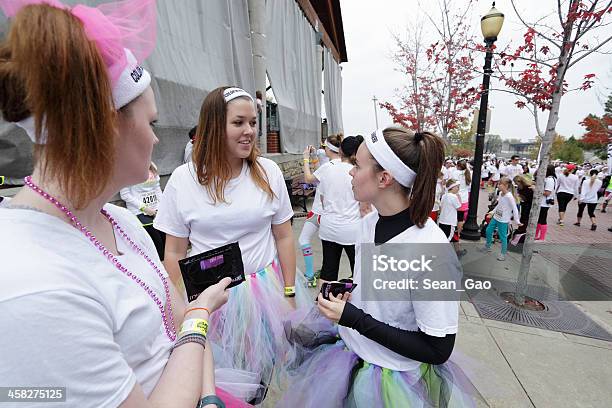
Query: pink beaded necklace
[(166, 313)]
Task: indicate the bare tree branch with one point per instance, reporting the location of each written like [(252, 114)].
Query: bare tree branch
[(589, 52), (529, 26)]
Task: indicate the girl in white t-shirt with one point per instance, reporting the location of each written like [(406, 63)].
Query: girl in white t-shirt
[(142, 200), (451, 202), (341, 213), (588, 198), (85, 300), (313, 219), (229, 194), (389, 354), (505, 211), (463, 175)]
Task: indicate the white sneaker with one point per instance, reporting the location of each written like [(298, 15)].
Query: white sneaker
[(485, 249), (501, 257)]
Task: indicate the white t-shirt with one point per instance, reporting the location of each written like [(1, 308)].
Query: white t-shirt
[(435, 318), (449, 206), (494, 172), (316, 204), (187, 211), (550, 184), (147, 194), (588, 193), (484, 171), (188, 151), (447, 172), (459, 175), (512, 170), (340, 217), (568, 184), (70, 318), (506, 208)]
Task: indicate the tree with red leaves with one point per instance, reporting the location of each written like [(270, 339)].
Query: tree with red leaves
[(597, 133), (548, 52), (439, 94)]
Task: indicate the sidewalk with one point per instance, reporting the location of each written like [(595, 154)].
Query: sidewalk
[(519, 366)]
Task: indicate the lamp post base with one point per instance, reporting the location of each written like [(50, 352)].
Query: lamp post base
[(470, 231)]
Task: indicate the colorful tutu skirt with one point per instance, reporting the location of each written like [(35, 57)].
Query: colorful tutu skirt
[(330, 375), (247, 332)]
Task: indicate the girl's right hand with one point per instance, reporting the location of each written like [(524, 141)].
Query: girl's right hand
[(214, 296)]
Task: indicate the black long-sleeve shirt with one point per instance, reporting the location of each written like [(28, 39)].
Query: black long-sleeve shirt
[(415, 345)]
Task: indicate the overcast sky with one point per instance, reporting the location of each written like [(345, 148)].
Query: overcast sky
[(368, 28)]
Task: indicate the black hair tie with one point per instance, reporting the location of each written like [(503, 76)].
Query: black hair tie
[(418, 136)]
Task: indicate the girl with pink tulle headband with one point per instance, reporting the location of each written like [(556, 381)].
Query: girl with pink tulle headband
[(85, 302)]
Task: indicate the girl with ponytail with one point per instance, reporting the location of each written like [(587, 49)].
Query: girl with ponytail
[(386, 356), (81, 277), (588, 198)]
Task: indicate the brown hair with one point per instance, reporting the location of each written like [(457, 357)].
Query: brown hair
[(462, 165), (335, 140), (523, 181), (46, 49), (425, 156), (209, 156), (450, 182)]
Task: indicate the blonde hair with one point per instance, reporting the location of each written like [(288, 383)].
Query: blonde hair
[(507, 182)]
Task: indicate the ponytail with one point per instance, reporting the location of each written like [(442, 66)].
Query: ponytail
[(50, 70), (425, 155)]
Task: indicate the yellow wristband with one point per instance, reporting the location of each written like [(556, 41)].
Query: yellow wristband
[(194, 326), (306, 161), (289, 291)]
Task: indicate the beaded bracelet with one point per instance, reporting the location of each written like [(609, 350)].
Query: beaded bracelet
[(190, 338)]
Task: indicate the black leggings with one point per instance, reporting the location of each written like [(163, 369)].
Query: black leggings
[(332, 252), (542, 219), (564, 199), (590, 209)]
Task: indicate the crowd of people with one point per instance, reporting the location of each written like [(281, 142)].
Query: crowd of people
[(91, 293)]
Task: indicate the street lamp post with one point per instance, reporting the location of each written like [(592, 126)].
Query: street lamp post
[(375, 110), (491, 24)]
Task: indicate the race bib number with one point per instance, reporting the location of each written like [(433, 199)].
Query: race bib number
[(150, 200)]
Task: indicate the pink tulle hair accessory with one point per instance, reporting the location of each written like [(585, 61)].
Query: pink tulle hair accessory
[(112, 26)]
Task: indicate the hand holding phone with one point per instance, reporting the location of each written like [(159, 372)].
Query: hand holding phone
[(337, 288)]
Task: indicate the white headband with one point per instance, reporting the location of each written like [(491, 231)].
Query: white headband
[(456, 183), (132, 82), (232, 93), (380, 150), (331, 147)]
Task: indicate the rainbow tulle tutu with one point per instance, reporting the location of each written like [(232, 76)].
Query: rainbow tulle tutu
[(247, 333), (323, 372)]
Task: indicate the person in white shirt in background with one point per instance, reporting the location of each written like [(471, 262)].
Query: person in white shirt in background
[(189, 145), (494, 167), (513, 169), (435, 212), (450, 203), (313, 219), (548, 200), (322, 154), (447, 169), (463, 175), (588, 198), (484, 175), (568, 184), (505, 212), (228, 194), (142, 201), (341, 213)]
